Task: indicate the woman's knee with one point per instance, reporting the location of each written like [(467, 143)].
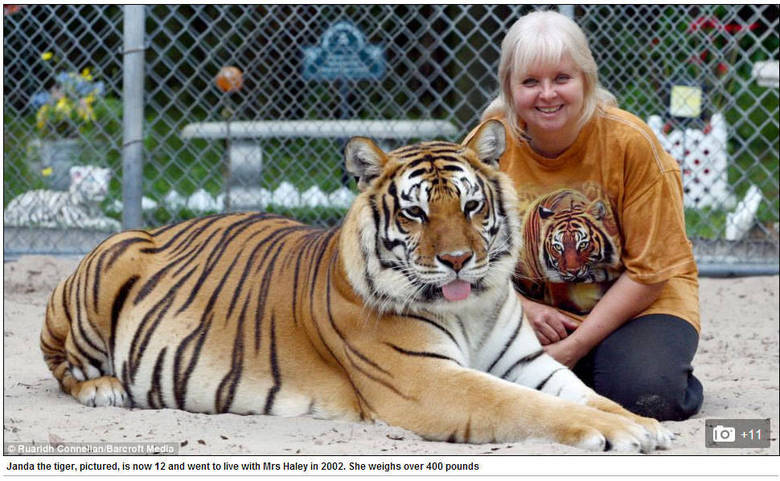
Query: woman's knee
[(659, 397), (646, 367)]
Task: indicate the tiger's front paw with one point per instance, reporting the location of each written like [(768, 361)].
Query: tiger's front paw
[(663, 437), (609, 432), (101, 391)]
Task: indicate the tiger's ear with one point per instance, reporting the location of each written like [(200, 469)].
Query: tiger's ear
[(364, 160), (544, 212), (597, 209), (488, 141)]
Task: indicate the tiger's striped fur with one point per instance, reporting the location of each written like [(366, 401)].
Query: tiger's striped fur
[(254, 313)]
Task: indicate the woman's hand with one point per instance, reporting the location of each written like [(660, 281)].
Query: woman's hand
[(565, 352), (549, 324)]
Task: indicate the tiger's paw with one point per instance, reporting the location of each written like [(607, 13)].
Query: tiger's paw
[(610, 432), (663, 437), (101, 391)]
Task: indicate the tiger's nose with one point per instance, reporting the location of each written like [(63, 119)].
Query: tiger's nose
[(454, 261)]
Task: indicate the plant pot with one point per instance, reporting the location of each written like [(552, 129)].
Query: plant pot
[(57, 157)]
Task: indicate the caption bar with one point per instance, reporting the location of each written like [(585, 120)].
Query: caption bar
[(60, 467)]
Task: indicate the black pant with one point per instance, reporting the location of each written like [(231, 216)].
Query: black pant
[(645, 366)]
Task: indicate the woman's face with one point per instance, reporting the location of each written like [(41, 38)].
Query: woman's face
[(549, 98)]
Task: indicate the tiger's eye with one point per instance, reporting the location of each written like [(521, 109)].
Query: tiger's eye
[(471, 206), (414, 213)]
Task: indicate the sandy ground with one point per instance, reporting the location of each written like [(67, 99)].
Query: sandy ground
[(737, 362)]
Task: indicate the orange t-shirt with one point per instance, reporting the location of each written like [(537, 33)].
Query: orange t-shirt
[(612, 202)]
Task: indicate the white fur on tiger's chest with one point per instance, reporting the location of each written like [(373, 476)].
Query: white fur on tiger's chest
[(480, 322)]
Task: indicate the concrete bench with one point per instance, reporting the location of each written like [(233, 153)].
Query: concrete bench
[(245, 151), (376, 129)]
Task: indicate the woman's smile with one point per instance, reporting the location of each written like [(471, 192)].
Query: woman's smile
[(549, 110)]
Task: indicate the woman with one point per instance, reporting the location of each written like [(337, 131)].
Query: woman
[(607, 276)]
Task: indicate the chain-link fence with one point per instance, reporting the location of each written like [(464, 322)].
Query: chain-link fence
[(268, 134)]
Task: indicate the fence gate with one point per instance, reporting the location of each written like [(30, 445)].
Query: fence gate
[(248, 107)]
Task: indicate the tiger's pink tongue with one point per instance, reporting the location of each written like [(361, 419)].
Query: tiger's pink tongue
[(456, 290)]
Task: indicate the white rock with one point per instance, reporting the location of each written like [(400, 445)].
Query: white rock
[(249, 198), (202, 201), (314, 197), (286, 195), (146, 204), (341, 197), (174, 200)]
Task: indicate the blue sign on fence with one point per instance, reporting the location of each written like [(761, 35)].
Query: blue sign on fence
[(342, 54)]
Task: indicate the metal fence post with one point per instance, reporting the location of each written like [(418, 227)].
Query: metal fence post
[(567, 10), (133, 100)]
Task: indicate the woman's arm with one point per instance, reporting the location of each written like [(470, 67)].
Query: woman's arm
[(624, 300)]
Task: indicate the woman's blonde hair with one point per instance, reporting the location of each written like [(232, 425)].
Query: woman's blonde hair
[(545, 38)]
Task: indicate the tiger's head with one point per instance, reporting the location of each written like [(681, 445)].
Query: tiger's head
[(436, 224)]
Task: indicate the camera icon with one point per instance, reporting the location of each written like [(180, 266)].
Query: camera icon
[(724, 434)]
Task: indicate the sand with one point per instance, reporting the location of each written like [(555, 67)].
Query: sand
[(737, 362)]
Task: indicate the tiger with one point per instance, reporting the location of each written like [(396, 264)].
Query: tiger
[(403, 313), (571, 248), (77, 207)]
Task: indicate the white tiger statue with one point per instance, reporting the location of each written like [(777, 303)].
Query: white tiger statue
[(79, 207)]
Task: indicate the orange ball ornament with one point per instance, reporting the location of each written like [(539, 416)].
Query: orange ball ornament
[(230, 79)]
